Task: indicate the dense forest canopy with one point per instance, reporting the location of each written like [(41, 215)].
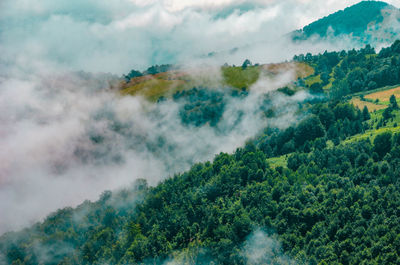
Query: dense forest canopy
[(359, 22), (353, 71), (335, 200)]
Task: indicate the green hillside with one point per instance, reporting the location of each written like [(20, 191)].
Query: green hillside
[(327, 189), (166, 83), (354, 21), (329, 205)]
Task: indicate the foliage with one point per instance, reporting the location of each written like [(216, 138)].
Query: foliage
[(356, 70), (329, 200), (354, 20), (201, 106), (241, 78), (331, 204)]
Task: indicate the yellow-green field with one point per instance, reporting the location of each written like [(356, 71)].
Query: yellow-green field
[(383, 96), (166, 84), (302, 70), (154, 88), (392, 125), (240, 78), (275, 162), (313, 79), (357, 102), (371, 134)]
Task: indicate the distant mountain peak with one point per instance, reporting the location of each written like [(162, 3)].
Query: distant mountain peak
[(362, 21)]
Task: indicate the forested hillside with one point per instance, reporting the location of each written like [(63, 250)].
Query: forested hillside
[(362, 22), (324, 191), (343, 73)]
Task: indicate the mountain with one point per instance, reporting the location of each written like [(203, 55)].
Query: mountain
[(322, 191), (367, 21)]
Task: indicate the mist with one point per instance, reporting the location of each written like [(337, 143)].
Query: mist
[(116, 36), (260, 247), (68, 135)]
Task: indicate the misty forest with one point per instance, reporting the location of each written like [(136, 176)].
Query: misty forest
[(197, 132)]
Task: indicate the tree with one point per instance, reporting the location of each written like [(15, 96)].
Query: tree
[(316, 88), (246, 63), (295, 161), (383, 143), (365, 114), (343, 111), (325, 78), (387, 113), (326, 116), (372, 85), (308, 130), (393, 102), (132, 74)]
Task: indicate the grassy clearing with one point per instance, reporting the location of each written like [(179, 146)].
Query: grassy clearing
[(329, 85), (166, 84), (153, 89), (313, 79), (376, 99), (301, 70), (304, 70), (275, 162), (357, 102), (240, 78), (383, 96), (393, 125), (371, 134)]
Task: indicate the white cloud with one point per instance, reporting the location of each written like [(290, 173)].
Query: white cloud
[(50, 123), (260, 248), (47, 113), (123, 34)]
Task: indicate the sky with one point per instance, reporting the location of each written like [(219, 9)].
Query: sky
[(50, 109), (116, 36)]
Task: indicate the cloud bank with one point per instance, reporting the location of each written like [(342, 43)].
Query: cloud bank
[(65, 136), (259, 248), (115, 36)]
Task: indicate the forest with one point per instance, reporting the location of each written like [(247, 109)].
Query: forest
[(355, 20), (334, 200)]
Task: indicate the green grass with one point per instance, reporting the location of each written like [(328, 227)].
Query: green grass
[(369, 56), (166, 84), (155, 88), (372, 133), (329, 85), (275, 162), (241, 78), (313, 79)]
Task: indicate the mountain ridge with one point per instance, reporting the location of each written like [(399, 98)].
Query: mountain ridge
[(361, 21)]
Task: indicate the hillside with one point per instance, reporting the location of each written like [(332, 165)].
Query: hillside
[(366, 22), (330, 204), (290, 163), (167, 82), (322, 191)]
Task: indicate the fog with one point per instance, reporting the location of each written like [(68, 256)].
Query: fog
[(67, 135), (115, 36), (260, 247)]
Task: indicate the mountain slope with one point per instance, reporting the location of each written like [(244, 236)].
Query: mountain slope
[(330, 205), (333, 199), (364, 21), (166, 83)]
